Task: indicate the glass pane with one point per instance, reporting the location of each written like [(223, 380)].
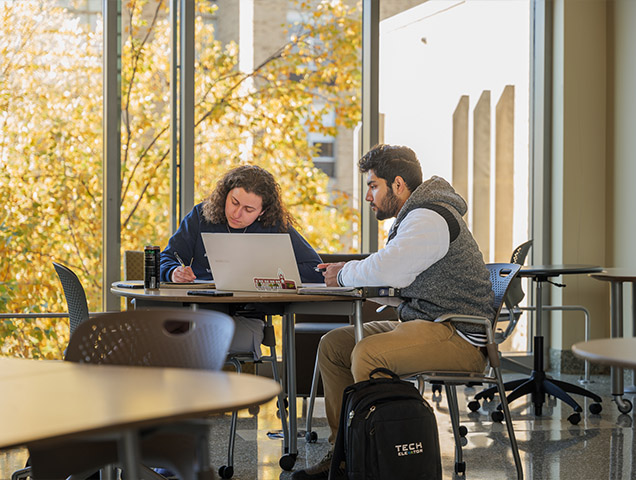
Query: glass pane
[(50, 157), (458, 94), (278, 85), (145, 138)]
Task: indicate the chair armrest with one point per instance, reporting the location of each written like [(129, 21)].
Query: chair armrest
[(474, 319), (491, 346)]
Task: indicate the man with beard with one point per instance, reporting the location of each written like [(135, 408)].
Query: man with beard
[(433, 258)]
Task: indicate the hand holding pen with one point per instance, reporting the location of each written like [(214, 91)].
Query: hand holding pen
[(330, 272), (183, 273)]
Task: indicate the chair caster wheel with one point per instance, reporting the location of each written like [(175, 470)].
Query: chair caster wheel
[(460, 468), (575, 418), (473, 406), (596, 408), (626, 407), (254, 410), (497, 416), (287, 461), (311, 437), (463, 431), (278, 409), (226, 472), (437, 388)]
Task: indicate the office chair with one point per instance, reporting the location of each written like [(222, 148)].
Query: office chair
[(77, 313), (74, 294), (133, 270), (514, 296), (309, 328), (501, 276), (237, 360), (177, 338)]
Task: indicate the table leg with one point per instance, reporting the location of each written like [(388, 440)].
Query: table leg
[(632, 388), (289, 350), (357, 321), (538, 396), (129, 456), (616, 315)]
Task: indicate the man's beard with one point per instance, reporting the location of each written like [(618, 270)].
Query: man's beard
[(390, 206)]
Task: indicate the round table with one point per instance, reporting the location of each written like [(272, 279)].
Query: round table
[(616, 278)]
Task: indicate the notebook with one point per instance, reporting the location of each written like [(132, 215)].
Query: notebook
[(252, 262)]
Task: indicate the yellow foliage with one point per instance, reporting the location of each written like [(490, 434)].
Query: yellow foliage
[(51, 140)]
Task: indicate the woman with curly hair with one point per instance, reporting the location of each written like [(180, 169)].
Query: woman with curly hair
[(246, 200)]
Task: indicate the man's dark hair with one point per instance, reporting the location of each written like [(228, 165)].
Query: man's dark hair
[(390, 161)]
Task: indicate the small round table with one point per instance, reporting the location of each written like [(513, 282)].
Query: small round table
[(538, 384), (616, 277), (616, 352)]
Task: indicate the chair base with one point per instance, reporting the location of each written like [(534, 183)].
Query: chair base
[(539, 384)]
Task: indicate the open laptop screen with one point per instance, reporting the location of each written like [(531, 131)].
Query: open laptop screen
[(262, 262)]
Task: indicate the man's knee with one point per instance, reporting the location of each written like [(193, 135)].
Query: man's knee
[(335, 346), (364, 360)]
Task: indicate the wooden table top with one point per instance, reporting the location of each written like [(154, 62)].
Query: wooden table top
[(617, 352), (556, 270), (48, 400), (181, 295)]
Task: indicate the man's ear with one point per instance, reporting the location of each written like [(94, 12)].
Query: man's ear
[(399, 186)]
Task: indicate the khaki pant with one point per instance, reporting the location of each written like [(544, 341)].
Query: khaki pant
[(403, 347)]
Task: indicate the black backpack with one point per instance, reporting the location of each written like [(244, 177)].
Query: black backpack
[(387, 431)]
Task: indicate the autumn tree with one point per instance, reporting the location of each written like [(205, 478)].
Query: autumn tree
[(51, 140)]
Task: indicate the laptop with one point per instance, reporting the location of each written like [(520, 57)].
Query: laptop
[(252, 262)]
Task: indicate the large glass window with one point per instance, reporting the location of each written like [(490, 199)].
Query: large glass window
[(50, 158), (278, 85)]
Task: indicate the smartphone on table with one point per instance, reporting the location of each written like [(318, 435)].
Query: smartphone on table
[(210, 293)]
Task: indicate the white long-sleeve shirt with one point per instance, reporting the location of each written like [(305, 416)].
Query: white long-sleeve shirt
[(421, 240)]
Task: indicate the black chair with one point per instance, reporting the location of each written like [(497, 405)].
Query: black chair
[(309, 330), (74, 294), (237, 360), (160, 338), (133, 270), (501, 276)]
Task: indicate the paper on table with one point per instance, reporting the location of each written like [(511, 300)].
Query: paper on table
[(189, 285), (364, 292)]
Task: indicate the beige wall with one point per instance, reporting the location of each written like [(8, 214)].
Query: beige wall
[(622, 121), (621, 238), (594, 155)]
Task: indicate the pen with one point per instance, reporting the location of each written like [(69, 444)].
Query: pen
[(176, 255), (323, 269)]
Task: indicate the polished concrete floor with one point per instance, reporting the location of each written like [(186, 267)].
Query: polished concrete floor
[(599, 447)]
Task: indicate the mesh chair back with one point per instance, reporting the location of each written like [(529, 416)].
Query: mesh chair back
[(501, 274), (75, 296), (515, 292), (158, 338), (520, 253)]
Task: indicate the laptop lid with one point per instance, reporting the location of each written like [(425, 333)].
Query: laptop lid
[(252, 262)]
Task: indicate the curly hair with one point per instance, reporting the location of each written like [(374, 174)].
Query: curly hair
[(252, 179), (389, 161)]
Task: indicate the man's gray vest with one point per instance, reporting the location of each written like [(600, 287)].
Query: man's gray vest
[(459, 282)]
